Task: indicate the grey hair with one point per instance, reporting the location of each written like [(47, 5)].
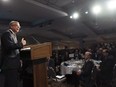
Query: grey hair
[(13, 22)]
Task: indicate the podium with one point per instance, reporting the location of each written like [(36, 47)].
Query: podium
[(34, 64)]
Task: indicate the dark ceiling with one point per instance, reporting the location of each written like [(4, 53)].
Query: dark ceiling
[(49, 20)]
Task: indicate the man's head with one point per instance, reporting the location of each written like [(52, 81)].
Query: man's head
[(15, 26), (88, 55), (105, 52)]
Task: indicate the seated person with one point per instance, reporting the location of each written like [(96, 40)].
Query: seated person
[(50, 67), (51, 63)]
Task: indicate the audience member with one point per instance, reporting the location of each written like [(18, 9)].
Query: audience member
[(105, 69)]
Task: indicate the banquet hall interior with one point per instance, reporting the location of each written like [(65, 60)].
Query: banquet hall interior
[(78, 31)]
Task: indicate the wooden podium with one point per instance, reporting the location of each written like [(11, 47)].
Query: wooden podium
[(38, 56)]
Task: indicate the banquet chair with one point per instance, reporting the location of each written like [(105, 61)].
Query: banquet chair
[(55, 80)]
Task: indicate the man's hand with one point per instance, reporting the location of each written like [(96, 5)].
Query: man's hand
[(23, 41)]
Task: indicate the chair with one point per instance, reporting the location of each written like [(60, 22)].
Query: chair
[(55, 80)]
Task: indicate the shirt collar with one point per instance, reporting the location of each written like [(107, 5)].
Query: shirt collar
[(11, 31)]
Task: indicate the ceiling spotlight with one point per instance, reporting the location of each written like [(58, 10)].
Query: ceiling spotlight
[(86, 12), (75, 15), (96, 9), (111, 4), (5, 0), (71, 17)]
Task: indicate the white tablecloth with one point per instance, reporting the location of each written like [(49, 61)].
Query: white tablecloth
[(73, 65)]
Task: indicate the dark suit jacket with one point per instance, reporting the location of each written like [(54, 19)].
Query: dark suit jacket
[(10, 51), (106, 68), (87, 70)]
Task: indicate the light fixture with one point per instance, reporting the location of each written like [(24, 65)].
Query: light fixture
[(86, 12), (111, 4), (71, 17), (75, 15), (96, 9)]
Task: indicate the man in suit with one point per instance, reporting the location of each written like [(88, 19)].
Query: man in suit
[(85, 73), (105, 70), (10, 54)]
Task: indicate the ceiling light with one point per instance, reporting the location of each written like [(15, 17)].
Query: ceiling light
[(96, 9), (71, 17), (86, 12), (111, 4), (75, 15)]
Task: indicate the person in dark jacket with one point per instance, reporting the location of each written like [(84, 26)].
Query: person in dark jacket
[(10, 47), (84, 75), (105, 70)]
